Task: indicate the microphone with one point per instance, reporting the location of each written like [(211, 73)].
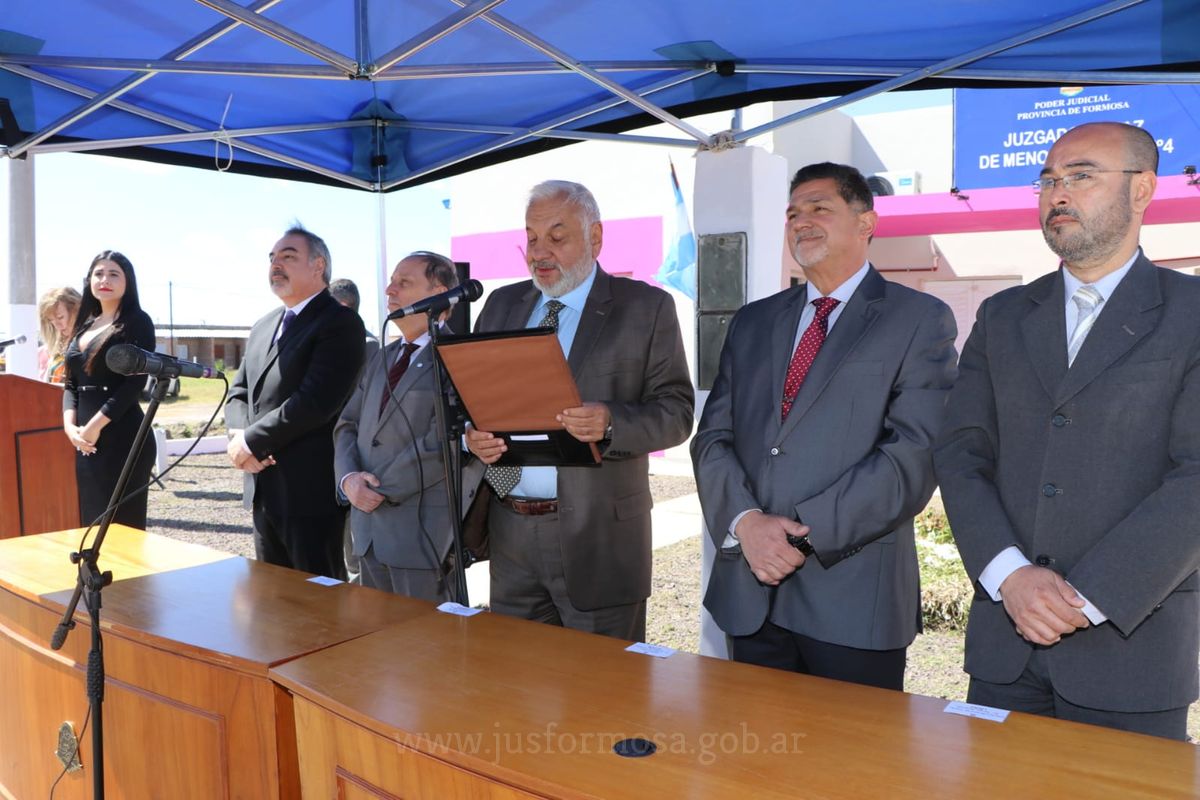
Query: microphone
[(128, 359), (21, 340), (435, 304)]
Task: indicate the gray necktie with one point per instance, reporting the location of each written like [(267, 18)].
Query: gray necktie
[(1087, 300), (504, 479)]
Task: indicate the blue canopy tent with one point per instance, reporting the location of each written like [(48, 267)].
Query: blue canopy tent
[(382, 94)]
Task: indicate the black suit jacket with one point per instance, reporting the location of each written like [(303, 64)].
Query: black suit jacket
[(287, 396)]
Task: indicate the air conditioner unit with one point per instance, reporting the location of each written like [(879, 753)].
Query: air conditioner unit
[(895, 181)]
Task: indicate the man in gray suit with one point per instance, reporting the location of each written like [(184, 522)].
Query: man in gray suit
[(387, 450), (571, 546), (1070, 460), (813, 452)]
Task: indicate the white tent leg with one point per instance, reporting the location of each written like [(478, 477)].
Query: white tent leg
[(21, 309), (742, 189)]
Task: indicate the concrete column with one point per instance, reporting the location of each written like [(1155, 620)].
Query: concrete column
[(743, 189), (19, 311)]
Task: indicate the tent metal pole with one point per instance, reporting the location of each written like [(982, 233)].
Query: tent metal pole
[(175, 123), (105, 98), (432, 34), (505, 130), (566, 119), (405, 73), (942, 66), (197, 136), (524, 36), (1131, 77), (311, 71), (282, 33)]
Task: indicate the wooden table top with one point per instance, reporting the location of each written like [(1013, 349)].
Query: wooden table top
[(201, 602), (540, 708)]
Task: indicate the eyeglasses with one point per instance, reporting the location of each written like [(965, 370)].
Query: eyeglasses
[(1078, 181)]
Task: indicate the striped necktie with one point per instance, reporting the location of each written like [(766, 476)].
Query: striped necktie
[(1087, 299)]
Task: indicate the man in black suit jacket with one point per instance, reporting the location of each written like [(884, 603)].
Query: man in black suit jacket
[(1070, 460), (300, 366)]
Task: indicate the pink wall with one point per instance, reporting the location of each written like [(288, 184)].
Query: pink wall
[(631, 246)]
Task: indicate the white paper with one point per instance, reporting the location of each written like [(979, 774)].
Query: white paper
[(979, 712), (530, 437), (656, 650), (321, 579), (458, 609)]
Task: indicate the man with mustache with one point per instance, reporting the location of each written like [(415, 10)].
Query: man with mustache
[(300, 366), (1070, 460), (571, 546), (813, 453)]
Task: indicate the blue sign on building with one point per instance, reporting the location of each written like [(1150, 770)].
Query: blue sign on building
[(1002, 136)]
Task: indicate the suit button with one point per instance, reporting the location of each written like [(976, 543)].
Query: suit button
[(1058, 420), (774, 451), (1043, 561), (1049, 490)]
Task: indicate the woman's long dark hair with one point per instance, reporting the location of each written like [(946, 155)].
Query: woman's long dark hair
[(90, 308)]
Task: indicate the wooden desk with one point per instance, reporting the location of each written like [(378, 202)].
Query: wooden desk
[(489, 707), (189, 635)]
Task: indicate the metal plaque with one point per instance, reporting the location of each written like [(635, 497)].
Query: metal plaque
[(68, 748)]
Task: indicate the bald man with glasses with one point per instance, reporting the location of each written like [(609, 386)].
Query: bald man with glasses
[(1070, 460)]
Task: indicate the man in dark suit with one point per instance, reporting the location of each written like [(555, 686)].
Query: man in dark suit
[(1070, 460), (813, 452), (300, 366), (388, 457), (572, 546)]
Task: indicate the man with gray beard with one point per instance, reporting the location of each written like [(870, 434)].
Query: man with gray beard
[(1070, 460), (571, 546)]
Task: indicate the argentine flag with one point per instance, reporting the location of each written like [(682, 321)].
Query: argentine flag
[(678, 270)]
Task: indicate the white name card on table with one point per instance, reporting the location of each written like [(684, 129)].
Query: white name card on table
[(458, 609), (979, 712), (656, 650)]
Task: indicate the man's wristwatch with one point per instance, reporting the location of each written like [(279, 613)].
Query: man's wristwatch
[(802, 544)]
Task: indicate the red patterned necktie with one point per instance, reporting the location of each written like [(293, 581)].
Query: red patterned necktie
[(396, 373), (806, 351)]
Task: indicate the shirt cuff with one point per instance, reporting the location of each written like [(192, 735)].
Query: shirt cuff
[(731, 539), (1094, 615), (1006, 562)]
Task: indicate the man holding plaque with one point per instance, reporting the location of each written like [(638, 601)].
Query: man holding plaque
[(570, 546)]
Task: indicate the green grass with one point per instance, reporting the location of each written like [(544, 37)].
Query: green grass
[(201, 391)]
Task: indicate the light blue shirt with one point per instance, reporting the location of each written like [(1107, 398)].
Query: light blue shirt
[(542, 482), (842, 294), (1105, 286)]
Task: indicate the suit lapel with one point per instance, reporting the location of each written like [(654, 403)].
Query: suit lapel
[(852, 325), (1125, 319), (591, 322), (267, 349), (1043, 331), (783, 338), (518, 313)]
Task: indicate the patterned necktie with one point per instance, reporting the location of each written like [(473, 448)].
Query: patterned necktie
[(288, 316), (806, 351), (396, 373), (1087, 300), (505, 479)]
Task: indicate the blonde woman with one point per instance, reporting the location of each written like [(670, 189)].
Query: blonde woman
[(56, 311)]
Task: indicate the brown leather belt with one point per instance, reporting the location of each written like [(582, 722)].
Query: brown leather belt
[(530, 508)]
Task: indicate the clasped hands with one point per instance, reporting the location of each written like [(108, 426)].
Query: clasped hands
[(587, 423), (241, 457), (1042, 605), (77, 435), (763, 538)]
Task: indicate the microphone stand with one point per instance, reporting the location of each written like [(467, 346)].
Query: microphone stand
[(90, 584), (450, 421)]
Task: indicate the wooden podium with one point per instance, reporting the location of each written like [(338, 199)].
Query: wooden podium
[(37, 463), (489, 707), (189, 635)]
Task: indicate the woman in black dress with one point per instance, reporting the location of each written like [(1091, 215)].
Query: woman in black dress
[(101, 414)]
